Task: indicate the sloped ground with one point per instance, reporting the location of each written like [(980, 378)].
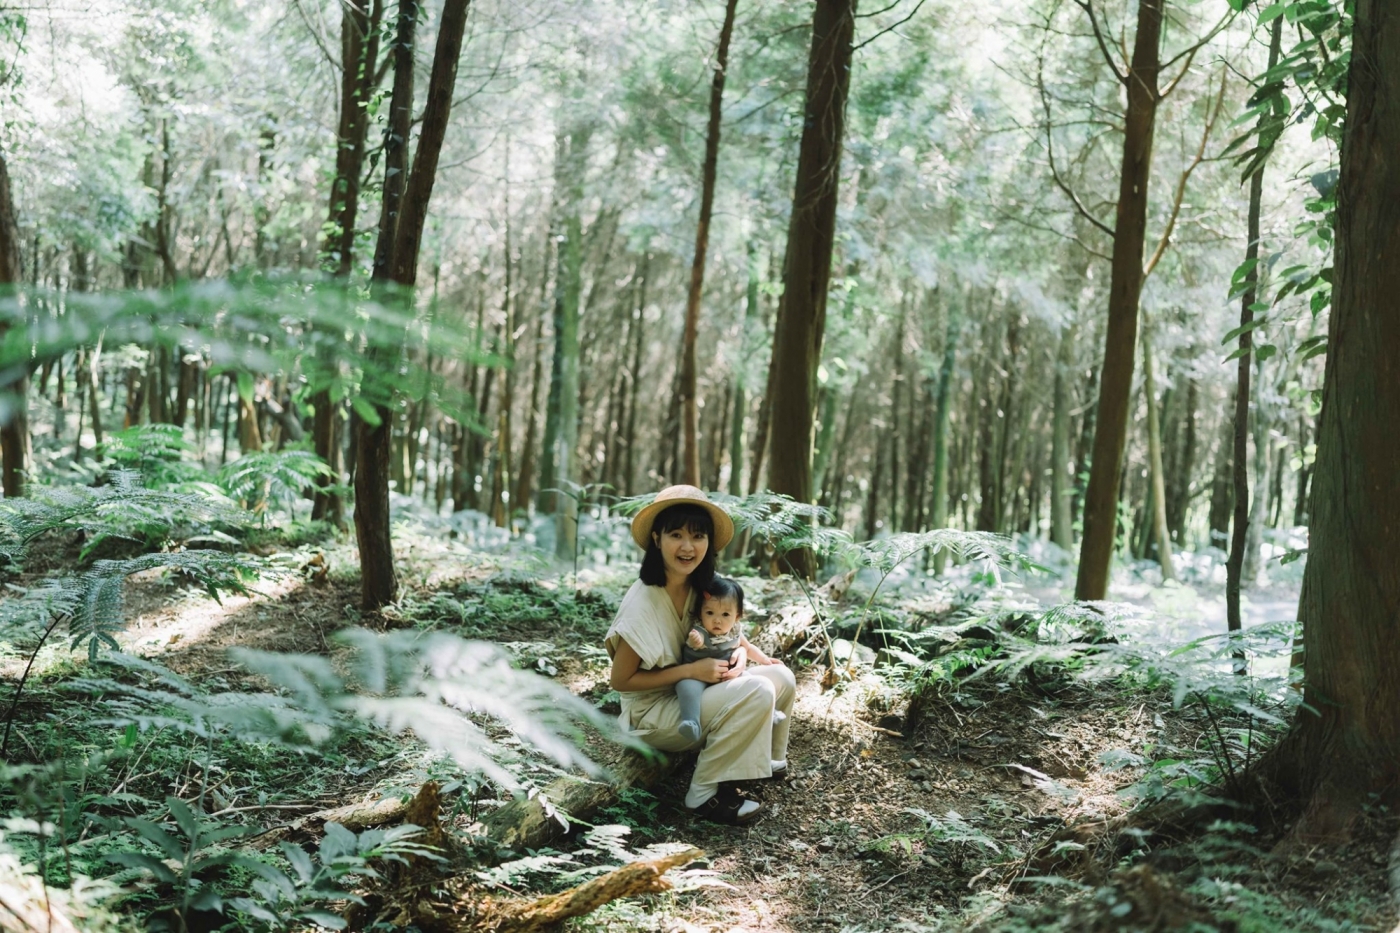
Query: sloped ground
[(884, 824)]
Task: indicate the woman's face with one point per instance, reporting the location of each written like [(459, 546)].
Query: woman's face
[(682, 549)]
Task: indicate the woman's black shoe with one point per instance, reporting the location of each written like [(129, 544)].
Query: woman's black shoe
[(726, 807)]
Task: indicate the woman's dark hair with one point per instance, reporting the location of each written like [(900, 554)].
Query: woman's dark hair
[(694, 519), (721, 588)]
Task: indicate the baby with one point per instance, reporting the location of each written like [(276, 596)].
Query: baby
[(714, 633)]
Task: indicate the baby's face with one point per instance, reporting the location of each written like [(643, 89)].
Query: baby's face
[(719, 616)]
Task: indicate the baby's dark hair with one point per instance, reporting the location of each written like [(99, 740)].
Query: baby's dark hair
[(721, 588)]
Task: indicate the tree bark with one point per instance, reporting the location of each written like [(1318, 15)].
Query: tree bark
[(1061, 531), (405, 208), (1125, 286), (689, 402), (942, 416), (1154, 455), (1184, 465), (1345, 740), (15, 453), (797, 340), (359, 53), (1234, 566)]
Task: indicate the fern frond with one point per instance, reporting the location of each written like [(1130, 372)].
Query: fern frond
[(124, 508), (257, 479), (93, 600)]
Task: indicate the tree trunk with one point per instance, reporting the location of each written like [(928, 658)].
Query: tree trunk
[(570, 287), (1234, 566), (697, 266), (893, 432), (741, 397), (1125, 285), (359, 49), (1344, 745), (1154, 455), (1061, 522), (797, 341), (1263, 460), (15, 455), (1179, 494), (942, 416), (404, 211)]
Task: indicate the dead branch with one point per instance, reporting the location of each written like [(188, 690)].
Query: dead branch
[(644, 877), (1180, 195), (787, 629), (1088, 7), (355, 817), (1050, 151)]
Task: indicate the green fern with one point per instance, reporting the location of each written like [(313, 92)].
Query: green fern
[(256, 480), (156, 451), (124, 508)]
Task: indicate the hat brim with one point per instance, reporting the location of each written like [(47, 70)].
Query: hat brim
[(643, 520)]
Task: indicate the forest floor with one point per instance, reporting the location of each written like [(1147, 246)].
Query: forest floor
[(936, 821)]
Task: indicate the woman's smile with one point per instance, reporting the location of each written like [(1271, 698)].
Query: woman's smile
[(682, 550)]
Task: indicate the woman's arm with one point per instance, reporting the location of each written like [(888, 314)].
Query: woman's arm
[(628, 676)]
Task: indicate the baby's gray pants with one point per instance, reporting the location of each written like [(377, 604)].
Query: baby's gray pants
[(688, 691)]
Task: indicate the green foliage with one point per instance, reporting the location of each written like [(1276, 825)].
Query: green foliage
[(155, 451), (183, 859), (124, 509), (287, 900), (255, 480)]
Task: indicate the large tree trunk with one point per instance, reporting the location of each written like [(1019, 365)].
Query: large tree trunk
[(15, 457), (405, 208), (689, 402), (1125, 285), (797, 342), (1345, 741)]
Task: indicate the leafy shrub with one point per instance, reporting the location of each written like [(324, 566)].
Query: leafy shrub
[(256, 480)]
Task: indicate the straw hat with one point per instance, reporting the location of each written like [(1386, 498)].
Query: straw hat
[(682, 495)]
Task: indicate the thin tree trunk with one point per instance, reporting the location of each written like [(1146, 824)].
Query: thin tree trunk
[(1179, 494), (689, 402), (359, 45), (15, 454), (943, 412), (1115, 383), (1234, 566), (797, 340), (1061, 522), (1154, 455)]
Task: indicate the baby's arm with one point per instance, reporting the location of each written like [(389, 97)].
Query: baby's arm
[(695, 639), (756, 656)]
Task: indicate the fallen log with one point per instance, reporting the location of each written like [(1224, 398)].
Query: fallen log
[(636, 878), (789, 627), (355, 817), (530, 822)]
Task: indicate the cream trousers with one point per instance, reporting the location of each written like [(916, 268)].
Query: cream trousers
[(738, 739)]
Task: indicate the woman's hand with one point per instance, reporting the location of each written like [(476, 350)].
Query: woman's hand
[(737, 662), (709, 670)]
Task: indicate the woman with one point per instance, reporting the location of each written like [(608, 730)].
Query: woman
[(682, 531)]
